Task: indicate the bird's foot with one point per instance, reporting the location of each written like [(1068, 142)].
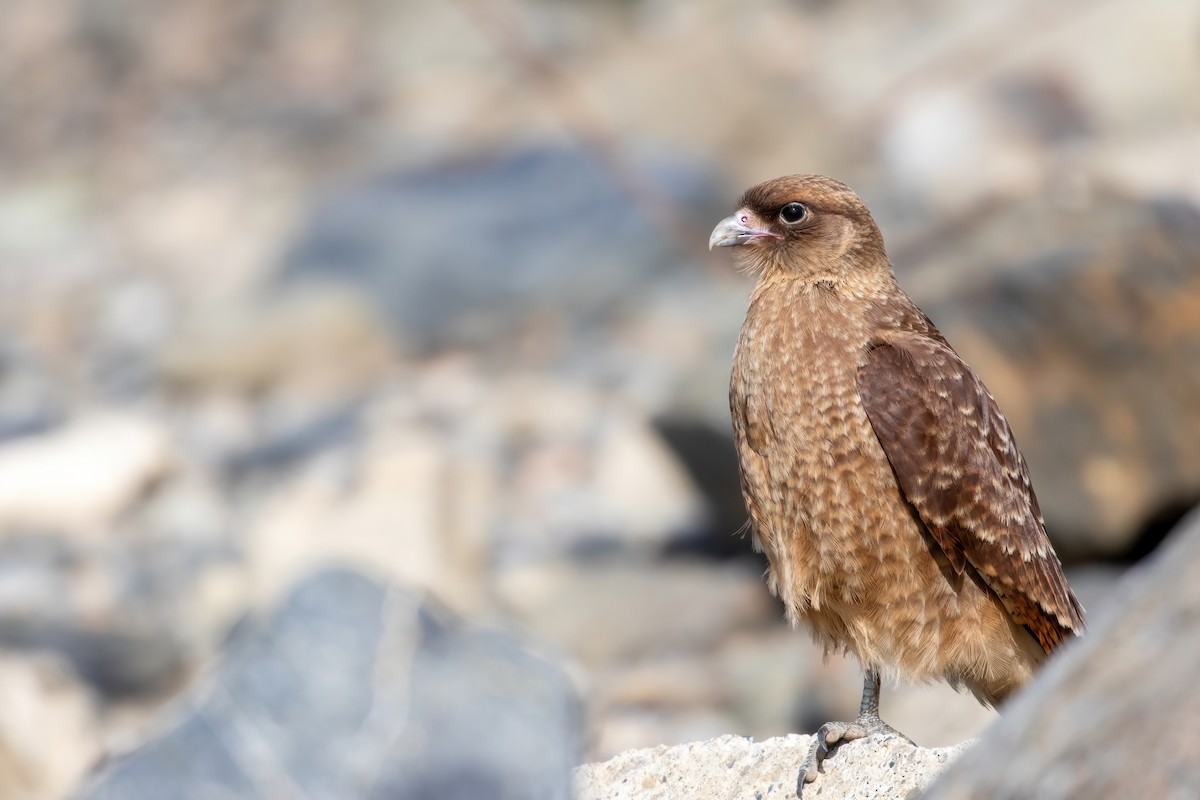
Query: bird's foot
[(832, 734)]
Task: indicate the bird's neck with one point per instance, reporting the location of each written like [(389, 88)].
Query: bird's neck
[(862, 288)]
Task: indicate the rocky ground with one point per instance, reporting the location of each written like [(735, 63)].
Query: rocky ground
[(733, 767), (316, 316)]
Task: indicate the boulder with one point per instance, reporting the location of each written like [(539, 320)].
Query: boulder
[(354, 688)]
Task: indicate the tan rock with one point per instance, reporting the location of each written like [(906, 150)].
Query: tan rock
[(325, 341), (398, 515), (49, 731)]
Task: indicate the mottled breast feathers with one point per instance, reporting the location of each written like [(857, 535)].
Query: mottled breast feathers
[(958, 465)]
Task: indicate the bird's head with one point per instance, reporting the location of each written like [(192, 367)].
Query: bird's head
[(802, 225)]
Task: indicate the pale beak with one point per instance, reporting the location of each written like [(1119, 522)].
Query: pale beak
[(734, 230)]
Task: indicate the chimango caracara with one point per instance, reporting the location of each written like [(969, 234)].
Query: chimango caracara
[(881, 479)]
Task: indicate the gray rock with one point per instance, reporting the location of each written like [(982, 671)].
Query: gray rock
[(354, 689), (464, 253), (730, 767), (1115, 715), (124, 643)]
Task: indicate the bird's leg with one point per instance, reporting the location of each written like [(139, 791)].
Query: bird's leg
[(833, 733)]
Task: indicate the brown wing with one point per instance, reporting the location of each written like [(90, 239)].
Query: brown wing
[(957, 463)]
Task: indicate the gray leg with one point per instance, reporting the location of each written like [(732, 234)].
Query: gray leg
[(832, 733), (869, 707)]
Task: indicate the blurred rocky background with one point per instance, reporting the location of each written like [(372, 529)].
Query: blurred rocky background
[(363, 373)]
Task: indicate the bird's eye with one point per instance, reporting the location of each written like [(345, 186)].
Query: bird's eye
[(793, 213)]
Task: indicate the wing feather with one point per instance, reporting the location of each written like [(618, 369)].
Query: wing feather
[(957, 463)]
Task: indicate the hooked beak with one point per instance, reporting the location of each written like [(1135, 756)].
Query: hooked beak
[(735, 229)]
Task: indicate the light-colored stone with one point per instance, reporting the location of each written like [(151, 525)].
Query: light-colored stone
[(397, 514), (326, 343), (585, 469), (49, 730), (81, 475), (736, 768), (642, 484)]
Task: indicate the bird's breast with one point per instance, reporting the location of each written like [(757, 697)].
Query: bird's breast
[(830, 513)]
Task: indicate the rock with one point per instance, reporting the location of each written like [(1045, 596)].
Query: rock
[(675, 697), (29, 402), (278, 451), (607, 610), (81, 476), (618, 730), (54, 600), (40, 693), (130, 612), (178, 175), (642, 485), (405, 511), (582, 471), (729, 767), (328, 344), (1115, 714), (353, 688), (554, 243), (779, 681)]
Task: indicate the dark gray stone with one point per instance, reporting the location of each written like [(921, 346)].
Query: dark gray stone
[(354, 689)]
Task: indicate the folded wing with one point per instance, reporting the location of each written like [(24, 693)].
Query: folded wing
[(956, 462)]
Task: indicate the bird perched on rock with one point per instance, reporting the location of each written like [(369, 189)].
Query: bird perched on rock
[(880, 477)]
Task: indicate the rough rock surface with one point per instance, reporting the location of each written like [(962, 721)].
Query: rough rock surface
[(357, 689), (730, 767), (1116, 715)]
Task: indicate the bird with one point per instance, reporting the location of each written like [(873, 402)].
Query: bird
[(880, 477)]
